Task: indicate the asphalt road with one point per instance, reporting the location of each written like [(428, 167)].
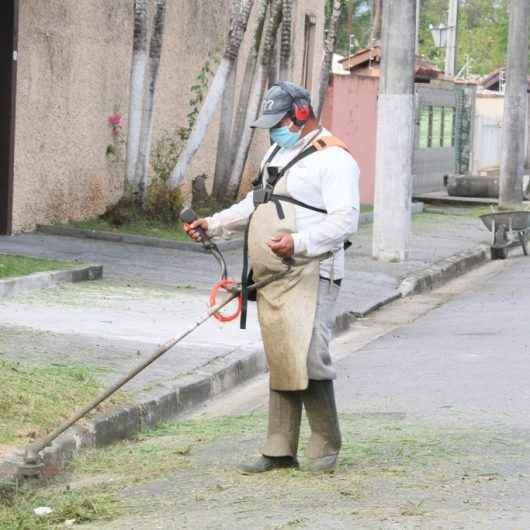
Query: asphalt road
[(434, 396)]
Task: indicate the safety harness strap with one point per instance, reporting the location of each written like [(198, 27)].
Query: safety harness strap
[(329, 141), (317, 145), (264, 195), (286, 198), (258, 181), (245, 279)]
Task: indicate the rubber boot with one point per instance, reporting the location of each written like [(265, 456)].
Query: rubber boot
[(325, 442), (285, 414), (268, 463)]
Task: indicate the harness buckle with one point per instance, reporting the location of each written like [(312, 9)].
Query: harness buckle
[(261, 196)]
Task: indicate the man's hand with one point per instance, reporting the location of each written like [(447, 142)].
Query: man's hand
[(191, 229), (282, 246)]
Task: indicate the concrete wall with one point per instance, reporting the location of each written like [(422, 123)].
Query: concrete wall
[(487, 133), (490, 106), (350, 112), (487, 142), (73, 72)]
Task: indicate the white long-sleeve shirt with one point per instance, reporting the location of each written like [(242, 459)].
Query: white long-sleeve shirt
[(327, 179)]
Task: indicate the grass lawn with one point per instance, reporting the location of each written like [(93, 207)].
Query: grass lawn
[(143, 228), (436, 214), (36, 399), (458, 210), (11, 265)]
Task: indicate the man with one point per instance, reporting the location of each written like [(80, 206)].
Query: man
[(303, 207)]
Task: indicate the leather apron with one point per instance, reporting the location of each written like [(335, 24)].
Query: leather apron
[(287, 306)]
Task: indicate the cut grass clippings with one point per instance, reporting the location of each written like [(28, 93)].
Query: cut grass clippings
[(36, 399), (185, 466), (373, 445), (163, 449), (13, 265), (138, 227), (83, 505)]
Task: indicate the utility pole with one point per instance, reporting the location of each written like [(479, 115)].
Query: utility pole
[(395, 132), (418, 2), (515, 107), (450, 50)]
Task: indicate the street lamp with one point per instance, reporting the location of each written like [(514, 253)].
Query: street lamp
[(439, 35)]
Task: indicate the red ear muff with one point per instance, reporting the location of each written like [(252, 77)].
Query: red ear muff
[(301, 112)]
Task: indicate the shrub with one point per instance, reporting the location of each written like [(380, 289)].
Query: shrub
[(162, 203)]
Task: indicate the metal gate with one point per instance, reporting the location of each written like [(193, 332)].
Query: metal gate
[(438, 123), (8, 39)]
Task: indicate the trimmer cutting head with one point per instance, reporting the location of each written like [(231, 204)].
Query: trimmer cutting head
[(31, 464)]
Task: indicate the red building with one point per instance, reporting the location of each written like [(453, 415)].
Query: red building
[(350, 110)]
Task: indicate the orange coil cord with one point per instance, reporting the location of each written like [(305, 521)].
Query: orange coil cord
[(212, 302)]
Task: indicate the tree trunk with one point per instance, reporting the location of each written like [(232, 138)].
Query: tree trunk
[(273, 70), (139, 61), (329, 46), (220, 186), (142, 175), (286, 40), (395, 112), (377, 15), (349, 21), (215, 93), (515, 108), (224, 142), (222, 161), (256, 96)]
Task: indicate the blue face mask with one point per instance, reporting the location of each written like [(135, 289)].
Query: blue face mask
[(284, 137)]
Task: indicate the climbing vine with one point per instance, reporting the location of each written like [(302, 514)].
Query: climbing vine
[(199, 90)]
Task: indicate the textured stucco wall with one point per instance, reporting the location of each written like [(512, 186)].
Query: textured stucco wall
[(74, 66), (73, 69)]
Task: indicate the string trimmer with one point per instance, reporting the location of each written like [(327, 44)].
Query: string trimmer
[(32, 463)]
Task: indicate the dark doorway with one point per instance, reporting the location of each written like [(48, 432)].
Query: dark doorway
[(8, 43)]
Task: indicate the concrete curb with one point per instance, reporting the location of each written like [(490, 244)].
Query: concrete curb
[(134, 239), (40, 280), (443, 270)]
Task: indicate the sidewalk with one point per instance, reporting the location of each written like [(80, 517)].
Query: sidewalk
[(150, 295)]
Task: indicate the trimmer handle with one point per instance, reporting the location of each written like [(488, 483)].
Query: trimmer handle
[(188, 216)]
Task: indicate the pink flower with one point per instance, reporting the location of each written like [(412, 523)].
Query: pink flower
[(114, 120)]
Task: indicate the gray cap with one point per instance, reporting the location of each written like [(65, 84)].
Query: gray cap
[(278, 101)]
